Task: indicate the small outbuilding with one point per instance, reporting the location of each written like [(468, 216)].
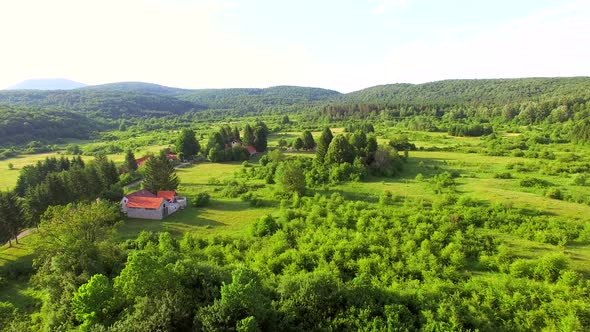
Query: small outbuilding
[(143, 204)]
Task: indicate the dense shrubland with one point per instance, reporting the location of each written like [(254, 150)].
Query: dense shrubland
[(320, 263)]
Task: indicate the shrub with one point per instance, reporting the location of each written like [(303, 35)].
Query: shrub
[(264, 226), (533, 182), (554, 193), (201, 199), (549, 267), (580, 180), (504, 175), (234, 189), (521, 268)]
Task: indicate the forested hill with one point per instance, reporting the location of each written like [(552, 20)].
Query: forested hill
[(485, 91), (19, 125), (255, 99), (136, 87), (110, 104), (134, 99)]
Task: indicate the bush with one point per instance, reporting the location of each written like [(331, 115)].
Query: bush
[(554, 193), (580, 180), (533, 182), (549, 267), (234, 189), (201, 199), (504, 175), (264, 226)]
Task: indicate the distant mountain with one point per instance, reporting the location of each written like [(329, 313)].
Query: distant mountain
[(47, 84)]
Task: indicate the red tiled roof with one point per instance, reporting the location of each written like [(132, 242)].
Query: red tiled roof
[(172, 156), (167, 194), (251, 149), (141, 160), (139, 202), (141, 193)]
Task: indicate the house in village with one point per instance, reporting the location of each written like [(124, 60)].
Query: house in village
[(236, 142), (143, 204)]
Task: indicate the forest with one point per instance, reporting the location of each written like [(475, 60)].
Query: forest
[(457, 205)]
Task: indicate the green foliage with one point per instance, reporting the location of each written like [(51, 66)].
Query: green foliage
[(201, 199), (386, 162), (12, 217), (402, 143), (533, 182), (93, 304), (298, 144), (323, 144), (264, 226), (159, 174), (187, 146), (308, 141), (74, 242), (339, 151), (260, 137), (289, 176), (503, 175), (130, 161)]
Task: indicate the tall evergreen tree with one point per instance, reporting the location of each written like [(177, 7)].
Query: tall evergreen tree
[(308, 141), (12, 217), (107, 171), (298, 144), (340, 151), (236, 133), (248, 136), (359, 141), (323, 144), (187, 145), (159, 175), (130, 161), (260, 136)]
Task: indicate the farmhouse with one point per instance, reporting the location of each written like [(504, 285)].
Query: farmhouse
[(236, 142), (143, 204)]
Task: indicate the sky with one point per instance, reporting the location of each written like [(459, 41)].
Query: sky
[(344, 45)]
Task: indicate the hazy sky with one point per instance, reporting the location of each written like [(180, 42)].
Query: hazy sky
[(343, 45)]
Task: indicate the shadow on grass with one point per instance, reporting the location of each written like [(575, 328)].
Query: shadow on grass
[(15, 292)]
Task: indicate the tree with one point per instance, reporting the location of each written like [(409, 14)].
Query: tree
[(291, 178), (359, 141), (386, 162), (92, 303), (260, 137), (339, 151), (130, 161), (236, 133), (159, 175), (323, 144), (248, 136), (106, 170), (12, 217), (285, 119), (187, 145), (298, 144), (308, 141), (74, 242)]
